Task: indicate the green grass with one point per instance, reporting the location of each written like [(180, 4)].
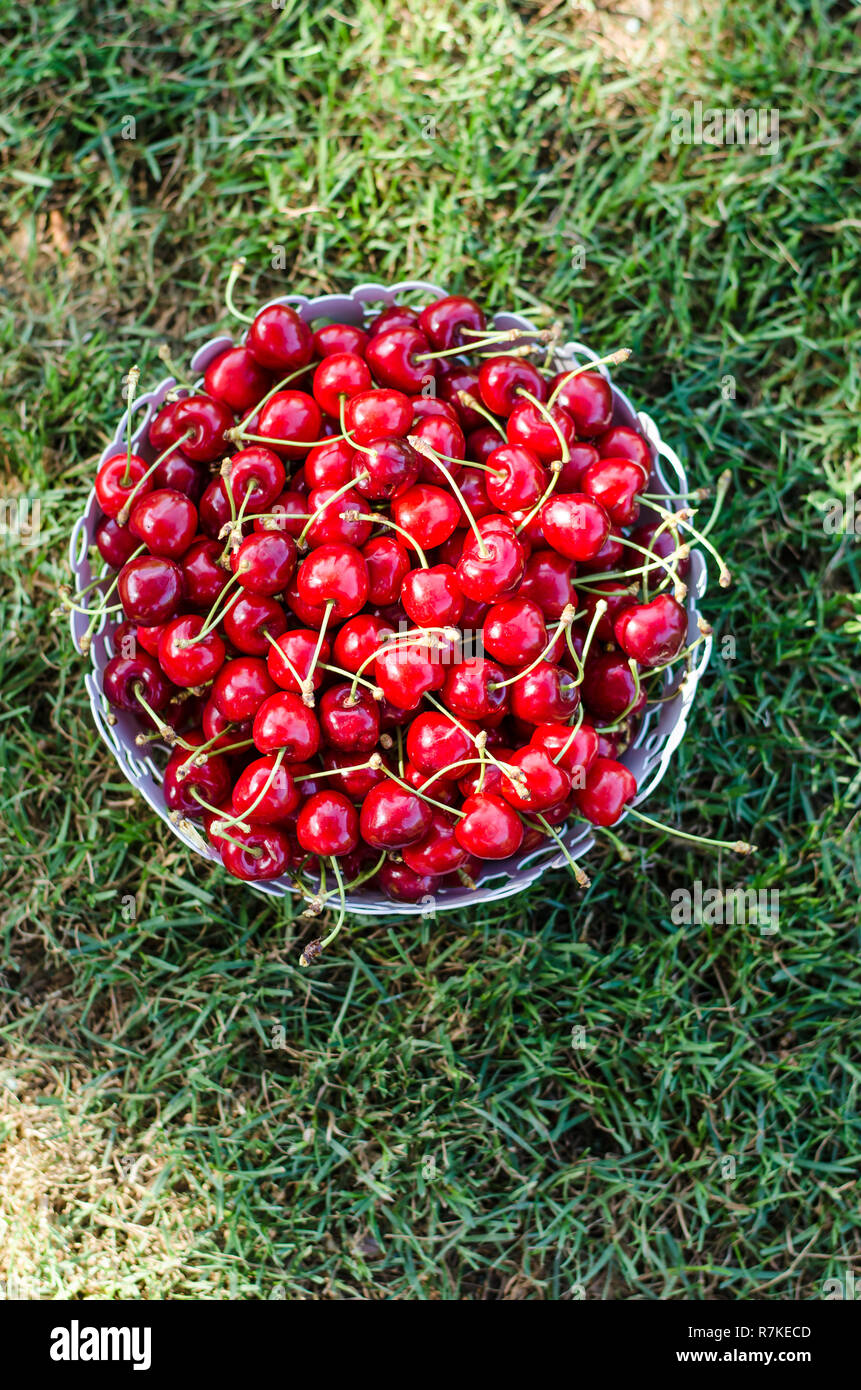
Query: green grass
[(429, 1129)]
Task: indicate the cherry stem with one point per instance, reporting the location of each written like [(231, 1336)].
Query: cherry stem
[(680, 656), (555, 474), (169, 735), (380, 520), (235, 271), (479, 740), (333, 772), (575, 729), (567, 617), (284, 443), (240, 819), (347, 487), (683, 518), (723, 486), (307, 686), (422, 447), (345, 433), (285, 658), (409, 638), (133, 379), (469, 402), (542, 410), (580, 661), (620, 355), (350, 675), (490, 339), (737, 846), (216, 613), (366, 874), (582, 879), (123, 514), (179, 380), (95, 615), (619, 721)]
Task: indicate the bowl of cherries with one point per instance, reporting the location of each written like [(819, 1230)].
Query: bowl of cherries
[(390, 603)]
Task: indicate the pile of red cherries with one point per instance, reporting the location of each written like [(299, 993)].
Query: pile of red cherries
[(386, 595)]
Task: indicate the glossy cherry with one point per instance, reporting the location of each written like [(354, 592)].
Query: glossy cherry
[(443, 322), (432, 597), (514, 631), (392, 817), (486, 576), (544, 783), (339, 337), (294, 416), (151, 588), (115, 485), (115, 542), (206, 421), (340, 376), (500, 379), (427, 514), (547, 695), (398, 359), (440, 851), (328, 824), (474, 688), (280, 340), (165, 521), (329, 464), (264, 562), (622, 442), (290, 657), (609, 689), (575, 525), (334, 574), (236, 378), (240, 688), (588, 398), (283, 721), (204, 578), (388, 563), (580, 748), (125, 677), (385, 469), (249, 618), (378, 415), (186, 658), (277, 803), (653, 632), (489, 827), (264, 852), (615, 483), (437, 743), (349, 720), (529, 427), (548, 582), (184, 774), (610, 787)]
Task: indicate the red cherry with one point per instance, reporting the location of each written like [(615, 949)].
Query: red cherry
[(334, 574), (183, 775), (203, 577), (125, 676), (664, 547), (529, 428), (473, 688), (387, 468), (354, 780), (277, 803), (396, 316), (328, 824), (392, 817), (349, 721), (248, 618), (610, 786), (148, 637), (481, 443), (287, 513), (405, 671), (395, 358), (280, 340), (444, 321), (440, 852), (456, 385), (208, 420), (333, 518), (514, 631), (258, 471), (182, 475), (311, 614), (518, 480), (618, 594), (283, 721), (113, 489), (609, 557), (292, 415), (339, 337), (431, 407), (432, 597), (237, 379), (485, 577), (427, 514), (653, 632), (264, 562), (440, 789), (264, 852), (471, 482), (546, 695), (214, 508), (240, 688), (215, 726), (445, 437), (609, 689), (151, 588), (329, 464), (340, 376), (588, 398), (622, 442), (402, 885), (581, 748), (184, 660), (489, 827), (471, 782), (579, 458), (165, 521), (575, 525), (548, 581), (116, 543), (435, 742), (162, 427), (388, 563), (291, 656), (358, 639), (501, 378), (378, 415), (615, 483), (546, 784)]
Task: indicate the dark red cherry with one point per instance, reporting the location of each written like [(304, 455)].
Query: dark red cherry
[(615, 483), (436, 742), (328, 824), (608, 688), (473, 486), (429, 407), (548, 581), (203, 576), (432, 597), (580, 748), (396, 316), (378, 415), (257, 855), (240, 688), (125, 677), (339, 377), (184, 775), (166, 522), (355, 778), (329, 464), (480, 443), (293, 416), (610, 786), (618, 594), (588, 398), (546, 784), (247, 620), (528, 427), (547, 695), (283, 721), (208, 420), (280, 340), (222, 730), (290, 657), (334, 518), (427, 514), (445, 437), (116, 543), (150, 588), (257, 471), (484, 577), (444, 321), (653, 632), (622, 442), (236, 378), (339, 337), (456, 385), (392, 817), (264, 562), (187, 658), (579, 458), (336, 575), (439, 852), (663, 546), (277, 803), (489, 828), (402, 885), (518, 479), (474, 689), (288, 513), (386, 468), (113, 488), (398, 359), (349, 719), (388, 562), (162, 428), (501, 379), (214, 508), (182, 475), (609, 557), (575, 525), (514, 631)]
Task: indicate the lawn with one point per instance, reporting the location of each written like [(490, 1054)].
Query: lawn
[(568, 1094)]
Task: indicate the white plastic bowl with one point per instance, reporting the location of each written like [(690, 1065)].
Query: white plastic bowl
[(648, 758)]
